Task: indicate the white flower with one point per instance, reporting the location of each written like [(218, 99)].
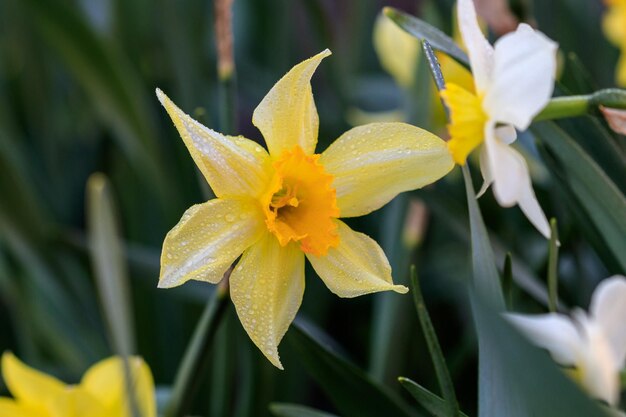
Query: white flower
[(593, 345), (514, 80)]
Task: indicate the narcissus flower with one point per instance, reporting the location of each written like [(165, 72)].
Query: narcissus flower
[(101, 392), (514, 80), (274, 209), (614, 25), (592, 347)]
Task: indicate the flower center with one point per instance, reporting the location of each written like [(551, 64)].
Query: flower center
[(467, 121), (300, 204)]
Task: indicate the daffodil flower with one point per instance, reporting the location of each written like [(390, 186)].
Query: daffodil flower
[(591, 346), (274, 209), (514, 80), (614, 25), (101, 392)]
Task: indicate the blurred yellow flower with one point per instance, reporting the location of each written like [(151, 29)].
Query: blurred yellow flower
[(614, 25), (101, 392), (275, 208)]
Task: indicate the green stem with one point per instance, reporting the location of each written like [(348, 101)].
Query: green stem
[(562, 107), (192, 368), (553, 258)]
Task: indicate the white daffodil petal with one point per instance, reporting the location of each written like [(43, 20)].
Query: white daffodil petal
[(287, 115), (233, 166), (608, 309), (267, 287), (479, 50), (485, 170), (522, 79), (511, 180), (357, 266), (375, 162), (506, 134), (208, 239), (553, 332)]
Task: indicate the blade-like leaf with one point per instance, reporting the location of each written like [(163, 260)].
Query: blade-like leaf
[(451, 406), (599, 197), (423, 31), (431, 402), (553, 261), (347, 386), (295, 410), (531, 383)]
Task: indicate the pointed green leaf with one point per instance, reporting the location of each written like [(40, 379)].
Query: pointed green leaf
[(295, 410), (553, 262), (431, 402), (451, 406), (423, 31), (597, 195), (348, 387)]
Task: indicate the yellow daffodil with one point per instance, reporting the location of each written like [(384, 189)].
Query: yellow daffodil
[(514, 81), (275, 208), (101, 392), (614, 25), (591, 346)]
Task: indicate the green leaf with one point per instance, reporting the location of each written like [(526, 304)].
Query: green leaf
[(486, 279), (348, 387), (553, 262), (531, 384), (109, 264), (597, 195), (423, 31), (431, 402), (507, 280), (295, 410), (451, 406)]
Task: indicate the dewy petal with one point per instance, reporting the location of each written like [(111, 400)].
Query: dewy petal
[(553, 332), (608, 309), (511, 180), (267, 287), (29, 386), (105, 382), (233, 166), (287, 115), (374, 163), (208, 239), (478, 48), (523, 77), (357, 266)]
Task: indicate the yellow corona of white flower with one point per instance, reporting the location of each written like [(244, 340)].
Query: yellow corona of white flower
[(514, 80), (101, 392), (274, 209), (614, 25), (591, 346)]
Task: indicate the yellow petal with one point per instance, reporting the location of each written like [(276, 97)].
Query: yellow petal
[(621, 68), (397, 51), (29, 386), (105, 382), (76, 402), (266, 288), (233, 166), (614, 23), (208, 239), (287, 115), (10, 408), (357, 266), (374, 163)]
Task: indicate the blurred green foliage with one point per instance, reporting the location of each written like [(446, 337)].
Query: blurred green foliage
[(77, 81)]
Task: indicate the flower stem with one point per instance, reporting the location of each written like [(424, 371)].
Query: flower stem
[(195, 359), (562, 107)]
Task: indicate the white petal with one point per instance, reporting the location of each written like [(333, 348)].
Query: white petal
[(479, 50), (522, 78), (485, 170), (553, 332), (511, 180), (506, 134), (608, 309)]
